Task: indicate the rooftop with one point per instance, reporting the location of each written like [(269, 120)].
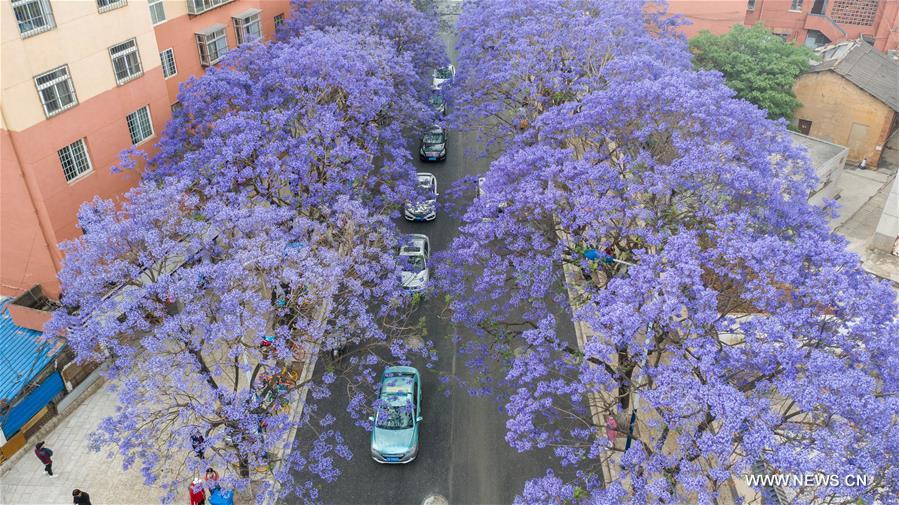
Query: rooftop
[(864, 66), (22, 354)]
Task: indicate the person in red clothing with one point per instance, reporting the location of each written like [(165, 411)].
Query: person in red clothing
[(197, 492), (44, 455)]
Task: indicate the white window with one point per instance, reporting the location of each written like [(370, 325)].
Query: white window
[(56, 90), (795, 5), (33, 16), (213, 44), (139, 125), (157, 11), (168, 63), (247, 26), (74, 159), (108, 5), (125, 61), (201, 6)]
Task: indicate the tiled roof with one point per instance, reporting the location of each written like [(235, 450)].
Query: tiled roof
[(22, 355), (864, 66)]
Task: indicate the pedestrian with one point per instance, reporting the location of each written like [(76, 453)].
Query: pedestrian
[(212, 478), (863, 163), (44, 454), (196, 440), (611, 429), (197, 492), (79, 497)]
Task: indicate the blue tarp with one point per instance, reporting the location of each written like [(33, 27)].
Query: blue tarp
[(22, 355), (25, 409)]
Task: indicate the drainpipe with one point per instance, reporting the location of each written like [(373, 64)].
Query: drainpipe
[(43, 216)]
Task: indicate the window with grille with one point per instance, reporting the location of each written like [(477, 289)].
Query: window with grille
[(56, 90), (201, 6), (213, 44), (279, 19), (168, 63), (33, 16), (108, 5), (247, 26), (750, 5), (157, 11), (74, 159), (139, 125), (796, 5), (125, 61)]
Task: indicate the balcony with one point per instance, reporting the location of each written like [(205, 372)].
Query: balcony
[(32, 309), (197, 7)]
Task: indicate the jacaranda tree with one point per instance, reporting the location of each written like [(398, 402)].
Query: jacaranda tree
[(708, 286), (260, 236)]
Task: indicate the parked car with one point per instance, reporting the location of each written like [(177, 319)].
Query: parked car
[(394, 432), (415, 252), (433, 144), (443, 75), (437, 103), (426, 209)]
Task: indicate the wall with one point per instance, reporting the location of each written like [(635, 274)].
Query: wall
[(716, 16), (177, 32), (39, 206), (833, 104)]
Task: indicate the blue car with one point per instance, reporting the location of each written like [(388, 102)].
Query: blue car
[(394, 434)]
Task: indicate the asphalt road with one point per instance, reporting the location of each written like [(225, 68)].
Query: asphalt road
[(463, 456)]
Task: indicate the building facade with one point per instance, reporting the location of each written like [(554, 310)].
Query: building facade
[(820, 22), (81, 81), (850, 98), (716, 16)]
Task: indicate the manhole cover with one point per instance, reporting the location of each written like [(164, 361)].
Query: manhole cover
[(435, 499)]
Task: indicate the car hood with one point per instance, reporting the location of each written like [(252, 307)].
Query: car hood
[(392, 441)]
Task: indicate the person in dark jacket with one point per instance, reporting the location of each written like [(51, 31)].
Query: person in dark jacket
[(44, 455), (79, 497)]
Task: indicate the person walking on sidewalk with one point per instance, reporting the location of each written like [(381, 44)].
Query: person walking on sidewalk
[(44, 455), (79, 497)]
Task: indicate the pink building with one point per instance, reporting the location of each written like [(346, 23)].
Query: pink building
[(819, 22), (716, 16), (82, 81)]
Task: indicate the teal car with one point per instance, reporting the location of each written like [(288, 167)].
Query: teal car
[(394, 433)]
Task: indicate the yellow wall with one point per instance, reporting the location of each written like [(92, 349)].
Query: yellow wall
[(833, 105), (81, 40)]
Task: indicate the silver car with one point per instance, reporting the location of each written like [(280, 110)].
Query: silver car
[(426, 209), (415, 252)]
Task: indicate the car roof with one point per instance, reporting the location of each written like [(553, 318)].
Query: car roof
[(397, 385)]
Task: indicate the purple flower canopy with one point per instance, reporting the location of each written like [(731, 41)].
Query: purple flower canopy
[(748, 331), (260, 235)]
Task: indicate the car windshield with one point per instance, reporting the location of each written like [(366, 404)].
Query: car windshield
[(394, 412), (433, 138), (416, 263), (436, 100), (443, 73)]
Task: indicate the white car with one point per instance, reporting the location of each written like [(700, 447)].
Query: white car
[(425, 210), (443, 75), (415, 252)]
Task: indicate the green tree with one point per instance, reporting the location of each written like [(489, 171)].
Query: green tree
[(757, 64)]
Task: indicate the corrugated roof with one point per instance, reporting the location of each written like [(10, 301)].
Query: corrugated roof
[(22, 355), (864, 66)]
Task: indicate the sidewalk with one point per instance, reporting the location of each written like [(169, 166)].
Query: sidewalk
[(75, 466)]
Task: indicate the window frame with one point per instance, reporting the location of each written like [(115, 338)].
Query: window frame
[(279, 20), (242, 23), (197, 7), (750, 5), (53, 84), (46, 15), (796, 5), (162, 60), (203, 43), (111, 5), (137, 123), (82, 142), (124, 54), (152, 5)]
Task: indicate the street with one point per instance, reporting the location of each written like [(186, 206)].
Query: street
[(463, 456)]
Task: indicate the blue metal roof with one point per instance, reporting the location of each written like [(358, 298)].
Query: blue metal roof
[(22, 355)]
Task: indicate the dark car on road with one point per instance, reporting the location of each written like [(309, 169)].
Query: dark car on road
[(433, 144)]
